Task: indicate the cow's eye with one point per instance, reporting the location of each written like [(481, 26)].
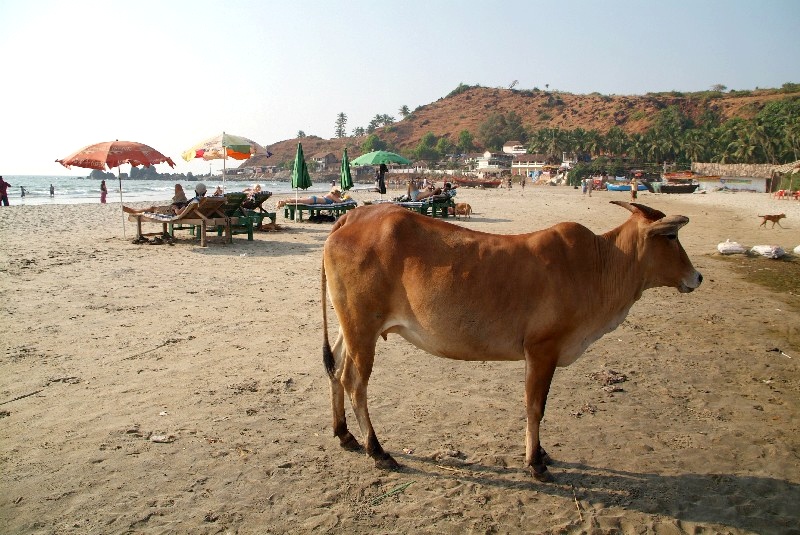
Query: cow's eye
[(671, 236)]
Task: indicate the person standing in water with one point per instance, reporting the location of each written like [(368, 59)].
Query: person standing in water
[(103, 192), (52, 190)]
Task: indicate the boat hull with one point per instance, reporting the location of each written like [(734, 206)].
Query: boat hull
[(624, 187), (679, 188), (467, 183)]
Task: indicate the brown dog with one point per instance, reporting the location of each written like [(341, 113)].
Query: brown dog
[(464, 209), (775, 218)]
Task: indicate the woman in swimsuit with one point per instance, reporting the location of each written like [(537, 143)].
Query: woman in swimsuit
[(334, 196)]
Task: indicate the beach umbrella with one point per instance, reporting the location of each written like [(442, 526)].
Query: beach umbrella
[(346, 179), (226, 146), (111, 154), (380, 157), (300, 177)]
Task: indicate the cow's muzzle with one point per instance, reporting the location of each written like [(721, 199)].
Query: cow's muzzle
[(691, 284)]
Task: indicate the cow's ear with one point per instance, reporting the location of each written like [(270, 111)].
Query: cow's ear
[(649, 213), (667, 225)]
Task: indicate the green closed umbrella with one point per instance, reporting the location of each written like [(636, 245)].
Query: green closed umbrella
[(300, 177), (346, 179)]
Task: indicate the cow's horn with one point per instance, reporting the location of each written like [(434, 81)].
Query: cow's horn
[(650, 213)]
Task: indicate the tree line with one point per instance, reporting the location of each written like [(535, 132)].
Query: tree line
[(772, 136)]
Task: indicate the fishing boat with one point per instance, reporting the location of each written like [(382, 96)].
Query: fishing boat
[(610, 186), (680, 182), (477, 182)]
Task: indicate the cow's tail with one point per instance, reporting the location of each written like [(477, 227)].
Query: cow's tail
[(327, 354)]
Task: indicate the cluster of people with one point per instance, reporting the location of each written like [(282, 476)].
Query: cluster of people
[(429, 189), (179, 202)]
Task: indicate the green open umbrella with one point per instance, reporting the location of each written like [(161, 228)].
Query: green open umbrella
[(346, 179), (300, 177), (380, 157)]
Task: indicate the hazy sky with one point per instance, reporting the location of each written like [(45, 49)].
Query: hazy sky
[(171, 73)]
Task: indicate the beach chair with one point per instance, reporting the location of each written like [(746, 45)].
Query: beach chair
[(434, 206), (254, 209), (237, 221), (335, 209), (200, 215)]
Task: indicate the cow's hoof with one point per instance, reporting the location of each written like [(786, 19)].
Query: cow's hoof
[(350, 443), (547, 460), (386, 462), (541, 474)]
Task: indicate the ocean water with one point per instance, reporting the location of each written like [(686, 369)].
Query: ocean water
[(78, 190)]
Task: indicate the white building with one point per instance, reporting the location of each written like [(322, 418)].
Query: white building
[(494, 163), (514, 147)]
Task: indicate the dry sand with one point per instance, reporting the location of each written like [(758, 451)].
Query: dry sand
[(110, 345)]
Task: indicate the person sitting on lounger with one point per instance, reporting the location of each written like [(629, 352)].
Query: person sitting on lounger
[(334, 196), (416, 195), (179, 202)]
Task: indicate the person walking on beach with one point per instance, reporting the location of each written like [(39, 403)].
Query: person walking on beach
[(4, 192), (52, 190), (634, 189), (103, 192), (22, 191)]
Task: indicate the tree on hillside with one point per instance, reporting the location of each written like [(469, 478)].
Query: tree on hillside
[(372, 143), (465, 142), (426, 148), (359, 131), (444, 147), (374, 124), (404, 111), (341, 123), (301, 134), (694, 145), (616, 140), (718, 87), (499, 128)]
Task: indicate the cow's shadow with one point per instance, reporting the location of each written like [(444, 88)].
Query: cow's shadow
[(752, 503)]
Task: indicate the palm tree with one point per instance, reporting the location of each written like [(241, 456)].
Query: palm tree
[(693, 145), (616, 140), (404, 111), (637, 148)]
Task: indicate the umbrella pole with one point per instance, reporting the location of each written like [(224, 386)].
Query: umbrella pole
[(224, 160), (119, 178)]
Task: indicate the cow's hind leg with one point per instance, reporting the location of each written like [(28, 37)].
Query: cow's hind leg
[(346, 439), (355, 376), (538, 376)]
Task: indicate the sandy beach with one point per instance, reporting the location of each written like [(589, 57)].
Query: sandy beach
[(180, 389)]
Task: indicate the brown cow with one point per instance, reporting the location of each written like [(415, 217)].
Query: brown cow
[(378, 261)]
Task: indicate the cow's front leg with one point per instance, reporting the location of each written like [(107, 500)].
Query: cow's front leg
[(355, 379), (538, 376)]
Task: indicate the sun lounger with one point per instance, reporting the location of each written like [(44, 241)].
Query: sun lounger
[(237, 221), (434, 206), (200, 215), (254, 208), (336, 209)]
